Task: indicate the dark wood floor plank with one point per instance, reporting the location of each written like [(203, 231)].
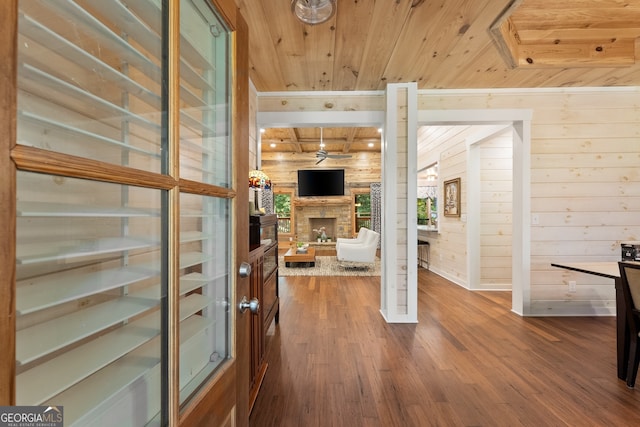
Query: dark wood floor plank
[(470, 361)]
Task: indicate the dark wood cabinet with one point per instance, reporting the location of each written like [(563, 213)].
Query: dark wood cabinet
[(264, 286)]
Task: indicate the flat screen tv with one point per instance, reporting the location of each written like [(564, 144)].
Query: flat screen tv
[(320, 182)]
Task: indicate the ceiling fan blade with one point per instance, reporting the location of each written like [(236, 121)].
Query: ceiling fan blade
[(322, 159), (339, 156)]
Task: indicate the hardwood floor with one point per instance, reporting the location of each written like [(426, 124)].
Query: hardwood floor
[(333, 361)]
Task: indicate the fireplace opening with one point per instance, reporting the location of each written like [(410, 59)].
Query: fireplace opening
[(329, 225)]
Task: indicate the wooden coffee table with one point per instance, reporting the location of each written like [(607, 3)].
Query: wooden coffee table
[(302, 260)]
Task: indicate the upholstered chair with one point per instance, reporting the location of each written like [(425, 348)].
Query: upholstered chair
[(630, 275)]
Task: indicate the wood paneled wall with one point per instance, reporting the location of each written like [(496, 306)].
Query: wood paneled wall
[(585, 185), (359, 171), (585, 181), (496, 208)]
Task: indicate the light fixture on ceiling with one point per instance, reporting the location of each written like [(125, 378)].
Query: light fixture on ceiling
[(313, 12)]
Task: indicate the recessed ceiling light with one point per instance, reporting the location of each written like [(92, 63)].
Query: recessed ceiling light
[(371, 144), (262, 130), (273, 145)]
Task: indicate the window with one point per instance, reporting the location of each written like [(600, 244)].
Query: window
[(427, 211), (362, 211), (428, 196), (282, 204)]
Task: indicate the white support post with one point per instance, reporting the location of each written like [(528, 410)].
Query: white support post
[(399, 187)]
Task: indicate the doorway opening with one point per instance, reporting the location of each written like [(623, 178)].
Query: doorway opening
[(516, 124)]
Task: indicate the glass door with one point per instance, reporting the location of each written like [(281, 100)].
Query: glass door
[(125, 207), (90, 240)]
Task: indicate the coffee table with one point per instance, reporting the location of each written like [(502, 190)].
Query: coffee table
[(302, 260)]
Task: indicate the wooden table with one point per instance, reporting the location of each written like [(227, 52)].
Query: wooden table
[(609, 270), (293, 257)]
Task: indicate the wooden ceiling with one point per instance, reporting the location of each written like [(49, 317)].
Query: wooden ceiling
[(440, 44), (307, 140)]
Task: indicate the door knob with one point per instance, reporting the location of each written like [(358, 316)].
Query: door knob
[(253, 305), (245, 269)]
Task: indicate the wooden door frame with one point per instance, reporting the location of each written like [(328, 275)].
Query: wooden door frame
[(8, 94)]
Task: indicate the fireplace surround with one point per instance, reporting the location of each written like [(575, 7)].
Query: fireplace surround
[(334, 215)]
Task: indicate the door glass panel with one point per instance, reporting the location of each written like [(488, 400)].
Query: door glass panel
[(89, 80), (205, 222), (205, 286), (88, 298), (205, 121)]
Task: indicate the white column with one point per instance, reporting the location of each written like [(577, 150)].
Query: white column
[(399, 287)]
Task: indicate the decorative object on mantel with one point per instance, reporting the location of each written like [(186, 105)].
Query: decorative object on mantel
[(258, 180), (313, 12), (327, 266)]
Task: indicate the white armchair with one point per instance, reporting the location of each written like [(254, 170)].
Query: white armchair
[(359, 238), (360, 251)]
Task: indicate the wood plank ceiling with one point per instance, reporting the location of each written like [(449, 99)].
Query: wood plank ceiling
[(440, 44)]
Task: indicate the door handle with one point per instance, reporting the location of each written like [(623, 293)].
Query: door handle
[(253, 305), (245, 269)]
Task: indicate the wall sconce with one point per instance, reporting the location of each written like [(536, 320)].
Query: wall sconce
[(313, 12)]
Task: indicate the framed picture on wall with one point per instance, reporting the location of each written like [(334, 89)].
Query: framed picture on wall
[(452, 197)]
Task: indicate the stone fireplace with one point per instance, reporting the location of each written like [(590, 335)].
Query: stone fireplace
[(333, 214)]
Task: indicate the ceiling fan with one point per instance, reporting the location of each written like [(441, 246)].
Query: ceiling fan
[(322, 154)]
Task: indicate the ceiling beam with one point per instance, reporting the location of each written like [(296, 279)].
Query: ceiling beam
[(616, 53), (293, 136), (351, 134), (587, 46), (505, 35)]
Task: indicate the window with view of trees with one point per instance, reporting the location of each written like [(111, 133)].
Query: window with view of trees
[(363, 210), (282, 203), (427, 211)]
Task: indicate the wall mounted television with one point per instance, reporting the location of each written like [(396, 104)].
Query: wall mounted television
[(320, 182)]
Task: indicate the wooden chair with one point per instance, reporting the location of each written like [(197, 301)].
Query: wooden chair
[(630, 275)]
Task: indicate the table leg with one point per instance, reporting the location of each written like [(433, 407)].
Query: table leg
[(622, 332)]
